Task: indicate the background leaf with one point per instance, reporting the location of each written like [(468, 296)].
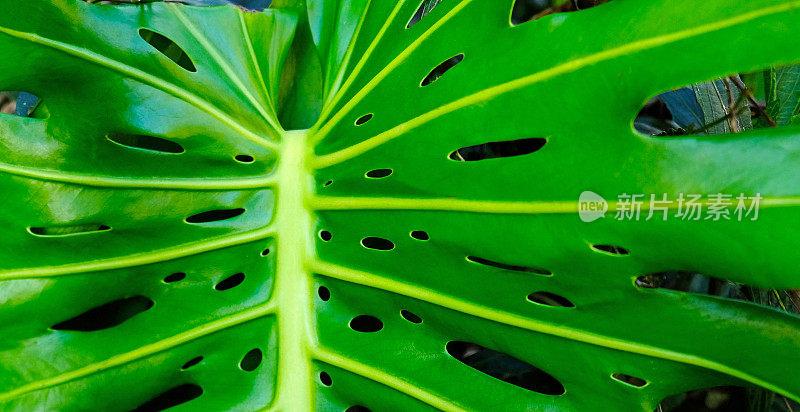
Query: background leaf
[(682, 104), (783, 94), (717, 98)]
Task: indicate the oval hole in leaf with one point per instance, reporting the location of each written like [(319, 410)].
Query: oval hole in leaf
[(357, 408), (379, 173), (706, 108), (505, 368), (107, 315), (527, 269), (630, 380), (691, 110), (230, 282), (424, 8), (363, 119), (242, 158), (324, 293), (611, 250), (214, 215), (494, 150), (251, 360), (441, 69), (192, 362), (410, 316), (143, 142), (325, 379), (366, 323), (550, 299), (377, 243), (173, 397), (175, 277), (265, 252), (420, 235), (325, 235), (168, 48), (54, 231)]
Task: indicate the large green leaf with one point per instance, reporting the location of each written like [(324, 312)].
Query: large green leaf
[(88, 222)]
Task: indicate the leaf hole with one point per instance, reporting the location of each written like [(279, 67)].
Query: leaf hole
[(529, 10), (410, 316), (495, 150), (516, 268), (325, 235), (693, 282), (230, 282), (379, 173), (143, 142), (420, 235), (324, 293), (325, 379), (441, 69), (265, 252), (611, 250), (424, 8), (671, 113), (168, 48), (357, 408), (683, 281), (630, 380), (648, 281), (722, 399), (722, 106), (173, 397), (550, 299), (366, 323), (18, 103), (55, 231), (251, 360), (328, 183), (505, 368), (214, 215), (107, 315), (175, 277), (377, 243), (192, 362), (242, 158), (363, 119)]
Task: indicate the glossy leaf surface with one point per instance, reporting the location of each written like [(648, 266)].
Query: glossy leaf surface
[(357, 262)]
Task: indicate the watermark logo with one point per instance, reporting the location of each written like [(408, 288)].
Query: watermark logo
[(714, 207), (591, 206)]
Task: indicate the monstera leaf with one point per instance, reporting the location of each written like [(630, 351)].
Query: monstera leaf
[(167, 242)]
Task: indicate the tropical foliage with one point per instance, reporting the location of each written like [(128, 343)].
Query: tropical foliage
[(373, 205)]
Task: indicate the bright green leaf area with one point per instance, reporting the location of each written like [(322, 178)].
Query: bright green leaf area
[(87, 220)]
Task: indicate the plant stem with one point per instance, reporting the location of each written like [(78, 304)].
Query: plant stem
[(753, 101), (732, 120)]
